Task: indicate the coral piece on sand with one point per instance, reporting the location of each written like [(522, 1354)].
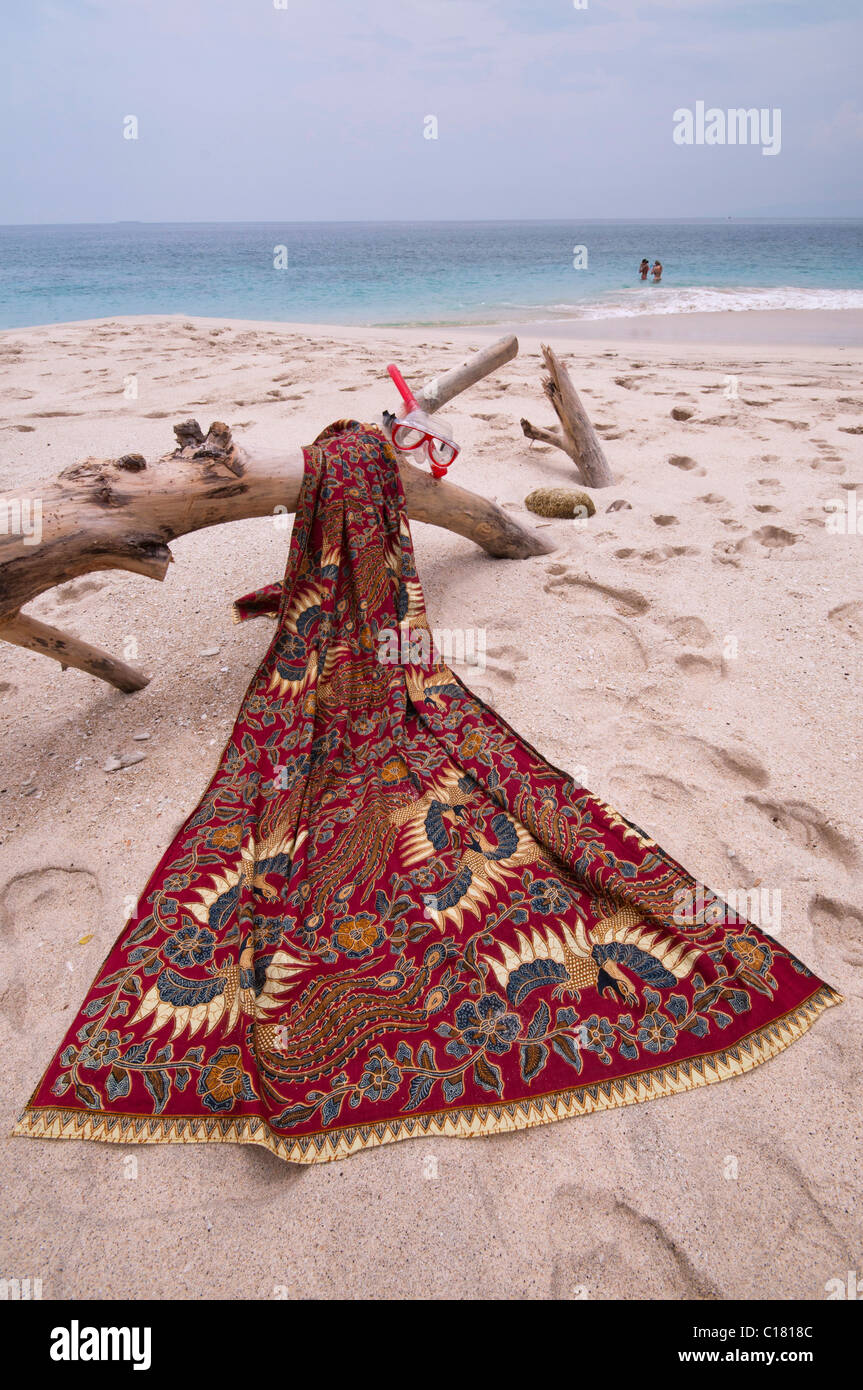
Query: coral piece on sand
[(567, 502)]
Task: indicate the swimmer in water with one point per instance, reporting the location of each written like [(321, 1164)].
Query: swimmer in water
[(657, 272), (644, 268)]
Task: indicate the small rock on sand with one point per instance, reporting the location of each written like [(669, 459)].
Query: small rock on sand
[(118, 761)]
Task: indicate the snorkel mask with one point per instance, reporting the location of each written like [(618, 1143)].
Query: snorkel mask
[(414, 430)]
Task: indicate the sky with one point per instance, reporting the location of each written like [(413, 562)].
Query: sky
[(313, 110)]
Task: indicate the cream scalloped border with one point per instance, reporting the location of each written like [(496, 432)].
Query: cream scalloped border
[(467, 1123)]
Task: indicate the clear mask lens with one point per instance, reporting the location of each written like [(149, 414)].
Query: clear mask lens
[(442, 451), (407, 436)]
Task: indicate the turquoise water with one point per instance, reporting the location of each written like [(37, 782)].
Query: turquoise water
[(423, 273)]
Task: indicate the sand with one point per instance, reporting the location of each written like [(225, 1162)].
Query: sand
[(695, 657), (742, 329)]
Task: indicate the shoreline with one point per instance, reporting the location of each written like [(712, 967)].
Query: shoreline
[(725, 328), (785, 328)]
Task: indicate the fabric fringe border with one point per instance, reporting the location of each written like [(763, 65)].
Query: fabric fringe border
[(466, 1123)]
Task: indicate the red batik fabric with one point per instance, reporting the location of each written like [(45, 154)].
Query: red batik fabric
[(389, 916)]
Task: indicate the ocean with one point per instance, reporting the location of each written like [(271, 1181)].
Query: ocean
[(428, 273)]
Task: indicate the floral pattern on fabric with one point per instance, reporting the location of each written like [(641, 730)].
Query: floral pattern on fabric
[(389, 915)]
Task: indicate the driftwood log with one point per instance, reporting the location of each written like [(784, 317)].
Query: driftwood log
[(576, 435), (104, 514)]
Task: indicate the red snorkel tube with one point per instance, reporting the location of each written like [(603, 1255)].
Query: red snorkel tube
[(402, 387)]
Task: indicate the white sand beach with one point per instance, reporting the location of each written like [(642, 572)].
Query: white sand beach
[(694, 655)]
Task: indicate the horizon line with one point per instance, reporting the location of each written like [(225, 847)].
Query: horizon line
[(436, 222)]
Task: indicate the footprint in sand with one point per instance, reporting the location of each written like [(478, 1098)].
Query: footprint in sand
[(605, 645), (826, 448), (696, 664), (77, 589), (764, 507), (626, 780), (660, 554), (600, 1245), (808, 828), (738, 761), (43, 913), (687, 464), (569, 584), (692, 632), (501, 662), (727, 553), (815, 516), (774, 537), (848, 618), (666, 520), (703, 657), (839, 925)]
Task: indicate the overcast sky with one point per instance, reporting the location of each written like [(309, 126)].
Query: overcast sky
[(317, 111)]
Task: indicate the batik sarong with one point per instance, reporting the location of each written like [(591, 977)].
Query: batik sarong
[(389, 917)]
